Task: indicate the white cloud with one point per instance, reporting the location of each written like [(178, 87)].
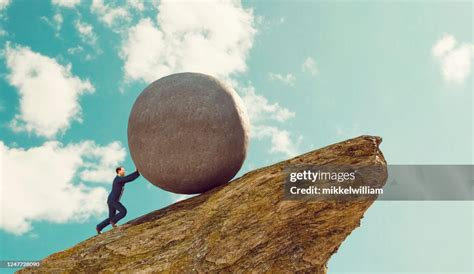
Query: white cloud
[(110, 14), (4, 4), (66, 3), (109, 156), (46, 177), (288, 79), (75, 50), (444, 45), (309, 65), (137, 4), (209, 37), (86, 32), (58, 20), (281, 140), (261, 112), (56, 23), (49, 93), (455, 58), (142, 52)]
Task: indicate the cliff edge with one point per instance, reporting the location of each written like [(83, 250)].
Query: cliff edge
[(242, 226)]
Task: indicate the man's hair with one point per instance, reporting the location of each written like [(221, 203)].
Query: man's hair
[(118, 169)]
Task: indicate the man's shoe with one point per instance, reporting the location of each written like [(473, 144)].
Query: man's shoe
[(98, 231), (113, 225)]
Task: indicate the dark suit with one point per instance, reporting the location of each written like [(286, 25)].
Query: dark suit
[(113, 200)]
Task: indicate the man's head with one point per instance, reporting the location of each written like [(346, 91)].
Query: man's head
[(120, 171)]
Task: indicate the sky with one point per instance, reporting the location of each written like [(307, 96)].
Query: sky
[(310, 73)]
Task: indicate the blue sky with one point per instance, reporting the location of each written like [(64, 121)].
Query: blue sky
[(310, 73)]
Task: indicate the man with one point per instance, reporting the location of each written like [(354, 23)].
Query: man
[(113, 200)]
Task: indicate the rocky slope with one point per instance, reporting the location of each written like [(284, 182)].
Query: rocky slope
[(243, 226)]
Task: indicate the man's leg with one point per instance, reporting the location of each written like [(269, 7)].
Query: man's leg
[(112, 211), (101, 225), (122, 212), (106, 222)]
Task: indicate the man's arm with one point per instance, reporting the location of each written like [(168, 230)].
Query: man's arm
[(130, 177)]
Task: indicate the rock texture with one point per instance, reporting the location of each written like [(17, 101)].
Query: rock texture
[(243, 226), (188, 132)]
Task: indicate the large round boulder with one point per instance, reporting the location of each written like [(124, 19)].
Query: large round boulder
[(188, 133)]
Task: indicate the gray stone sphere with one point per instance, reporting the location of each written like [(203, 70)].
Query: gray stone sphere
[(188, 133)]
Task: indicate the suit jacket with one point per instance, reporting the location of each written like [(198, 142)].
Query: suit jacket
[(118, 185)]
